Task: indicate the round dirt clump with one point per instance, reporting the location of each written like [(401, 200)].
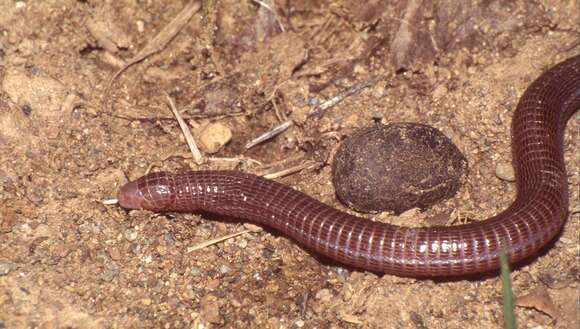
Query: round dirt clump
[(396, 168)]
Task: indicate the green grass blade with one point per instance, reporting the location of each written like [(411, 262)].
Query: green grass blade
[(506, 287)]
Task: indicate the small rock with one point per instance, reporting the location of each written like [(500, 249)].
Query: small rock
[(140, 26), (169, 238), (43, 231), (24, 229), (9, 219), (224, 269), (253, 228), (360, 69), (69, 103), (14, 125), (214, 136), (213, 284), (210, 309), (565, 240), (379, 90), (324, 295), (272, 288), (195, 271), (131, 234), (411, 213), (5, 268), (342, 272), (235, 303), (114, 254), (108, 275), (404, 316), (108, 34), (505, 171), (146, 301), (147, 259), (439, 92), (243, 243), (161, 250)]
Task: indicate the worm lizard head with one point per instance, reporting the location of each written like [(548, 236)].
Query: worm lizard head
[(150, 192)]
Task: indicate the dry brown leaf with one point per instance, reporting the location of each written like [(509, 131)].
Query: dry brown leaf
[(540, 300)]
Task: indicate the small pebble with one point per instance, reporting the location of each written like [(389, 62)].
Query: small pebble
[(131, 234), (210, 310), (213, 284), (272, 287), (505, 171), (243, 243), (253, 228), (214, 136), (224, 269), (161, 250), (299, 323), (69, 103), (404, 316), (108, 275), (342, 272), (379, 90), (324, 295), (235, 303), (439, 92), (140, 26), (195, 271), (114, 254), (43, 230), (5, 268), (169, 238), (147, 259), (146, 301)]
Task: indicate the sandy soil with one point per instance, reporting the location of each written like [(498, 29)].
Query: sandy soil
[(67, 143)]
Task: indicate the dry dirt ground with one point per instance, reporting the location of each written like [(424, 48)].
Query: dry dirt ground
[(67, 143)]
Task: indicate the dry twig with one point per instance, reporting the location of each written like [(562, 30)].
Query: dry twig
[(322, 107), (278, 129), (292, 170), (197, 157), (216, 240)]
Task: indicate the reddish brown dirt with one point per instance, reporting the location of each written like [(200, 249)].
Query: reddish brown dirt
[(68, 261)]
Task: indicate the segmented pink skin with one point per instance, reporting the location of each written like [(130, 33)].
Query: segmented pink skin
[(534, 218)]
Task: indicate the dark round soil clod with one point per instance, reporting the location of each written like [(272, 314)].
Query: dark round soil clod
[(396, 168)]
